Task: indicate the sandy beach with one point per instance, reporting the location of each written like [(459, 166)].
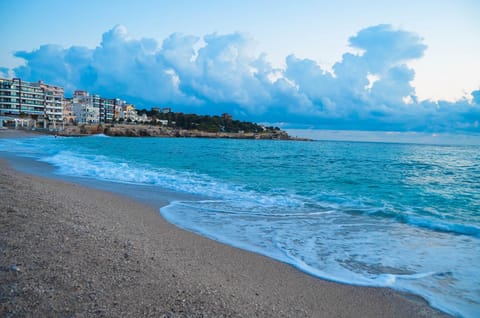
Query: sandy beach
[(72, 251)]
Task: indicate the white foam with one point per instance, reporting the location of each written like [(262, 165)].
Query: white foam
[(104, 168), (346, 248)]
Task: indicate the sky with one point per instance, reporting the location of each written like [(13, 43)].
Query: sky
[(354, 65)]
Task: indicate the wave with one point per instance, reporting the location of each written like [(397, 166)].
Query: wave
[(241, 208), (407, 216), (237, 198), (115, 170), (25, 147), (440, 226)]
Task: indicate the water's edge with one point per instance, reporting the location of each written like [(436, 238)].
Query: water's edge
[(163, 199)]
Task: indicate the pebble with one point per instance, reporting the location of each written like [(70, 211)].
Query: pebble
[(15, 268)]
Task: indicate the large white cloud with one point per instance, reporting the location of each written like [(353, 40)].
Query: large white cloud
[(370, 89)]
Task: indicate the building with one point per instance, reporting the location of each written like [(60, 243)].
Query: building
[(92, 109), (227, 117), (44, 104), (38, 101), (164, 110), (124, 112), (18, 98), (130, 114), (118, 106), (53, 100), (96, 105), (106, 110), (68, 114), (86, 107), (143, 118)]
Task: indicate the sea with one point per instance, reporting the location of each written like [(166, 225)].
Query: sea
[(402, 216)]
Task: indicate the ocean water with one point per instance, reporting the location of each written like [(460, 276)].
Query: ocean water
[(403, 216)]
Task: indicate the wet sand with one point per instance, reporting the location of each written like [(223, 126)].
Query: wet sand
[(72, 251)]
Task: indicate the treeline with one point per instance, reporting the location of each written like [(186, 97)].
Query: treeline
[(207, 123)]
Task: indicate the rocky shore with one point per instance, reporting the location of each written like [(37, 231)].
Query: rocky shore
[(124, 130)]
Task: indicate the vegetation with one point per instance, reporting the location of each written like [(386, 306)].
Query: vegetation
[(223, 123)]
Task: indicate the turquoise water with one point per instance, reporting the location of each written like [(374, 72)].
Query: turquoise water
[(403, 216)]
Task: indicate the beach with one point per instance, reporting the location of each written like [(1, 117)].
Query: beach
[(73, 251)]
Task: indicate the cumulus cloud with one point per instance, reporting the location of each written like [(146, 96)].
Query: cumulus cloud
[(370, 89), (384, 46)]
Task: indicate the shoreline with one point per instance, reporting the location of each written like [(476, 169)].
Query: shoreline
[(124, 130), (72, 250)]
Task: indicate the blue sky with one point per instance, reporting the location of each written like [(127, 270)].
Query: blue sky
[(363, 65)]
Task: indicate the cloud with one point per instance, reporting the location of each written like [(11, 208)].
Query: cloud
[(370, 89), (384, 46)]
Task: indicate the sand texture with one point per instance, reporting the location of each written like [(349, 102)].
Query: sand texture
[(71, 251)]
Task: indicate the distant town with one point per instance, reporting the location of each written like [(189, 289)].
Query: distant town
[(42, 106)]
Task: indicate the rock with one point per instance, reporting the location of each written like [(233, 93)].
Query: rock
[(15, 268)]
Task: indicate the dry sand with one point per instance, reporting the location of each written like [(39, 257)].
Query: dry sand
[(71, 251)]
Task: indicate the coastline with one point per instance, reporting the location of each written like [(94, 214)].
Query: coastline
[(68, 250), (143, 130), (139, 130)]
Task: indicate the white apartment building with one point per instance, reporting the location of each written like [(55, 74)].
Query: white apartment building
[(85, 107), (53, 101)]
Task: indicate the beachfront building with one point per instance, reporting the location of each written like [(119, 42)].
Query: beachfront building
[(42, 104), (92, 108), (85, 107), (53, 102), (118, 106), (96, 105), (68, 114), (39, 102), (130, 114), (106, 110), (124, 112)]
